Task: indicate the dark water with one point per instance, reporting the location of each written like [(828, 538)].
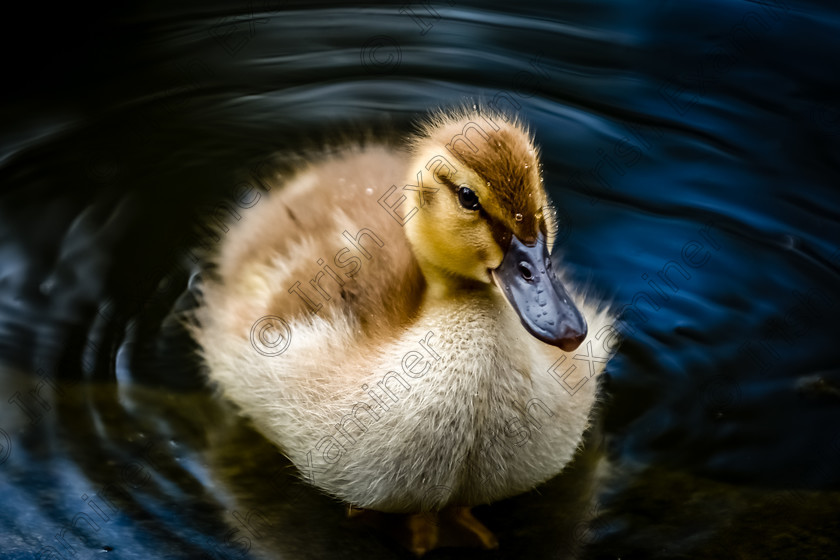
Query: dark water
[(698, 140)]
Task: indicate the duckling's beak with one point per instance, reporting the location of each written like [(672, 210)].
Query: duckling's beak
[(529, 284)]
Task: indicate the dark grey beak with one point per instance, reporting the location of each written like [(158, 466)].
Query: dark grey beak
[(529, 284)]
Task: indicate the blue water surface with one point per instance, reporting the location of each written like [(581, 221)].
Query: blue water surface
[(691, 149)]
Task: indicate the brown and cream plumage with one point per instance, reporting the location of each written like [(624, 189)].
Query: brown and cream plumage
[(424, 319)]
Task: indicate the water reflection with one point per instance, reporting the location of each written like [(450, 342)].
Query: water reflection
[(691, 147)]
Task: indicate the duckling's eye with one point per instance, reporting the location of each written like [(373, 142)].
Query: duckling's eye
[(468, 198)]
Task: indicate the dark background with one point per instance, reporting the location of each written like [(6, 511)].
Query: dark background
[(123, 130)]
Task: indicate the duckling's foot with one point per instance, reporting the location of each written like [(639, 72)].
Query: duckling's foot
[(423, 532), (416, 532), (423, 529), (470, 528)]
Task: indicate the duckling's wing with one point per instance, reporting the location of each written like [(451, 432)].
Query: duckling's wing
[(327, 241)]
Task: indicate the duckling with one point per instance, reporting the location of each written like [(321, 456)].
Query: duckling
[(393, 320)]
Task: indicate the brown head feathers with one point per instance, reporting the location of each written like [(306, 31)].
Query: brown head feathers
[(499, 152)]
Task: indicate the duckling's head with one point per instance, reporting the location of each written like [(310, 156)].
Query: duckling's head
[(483, 218)]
